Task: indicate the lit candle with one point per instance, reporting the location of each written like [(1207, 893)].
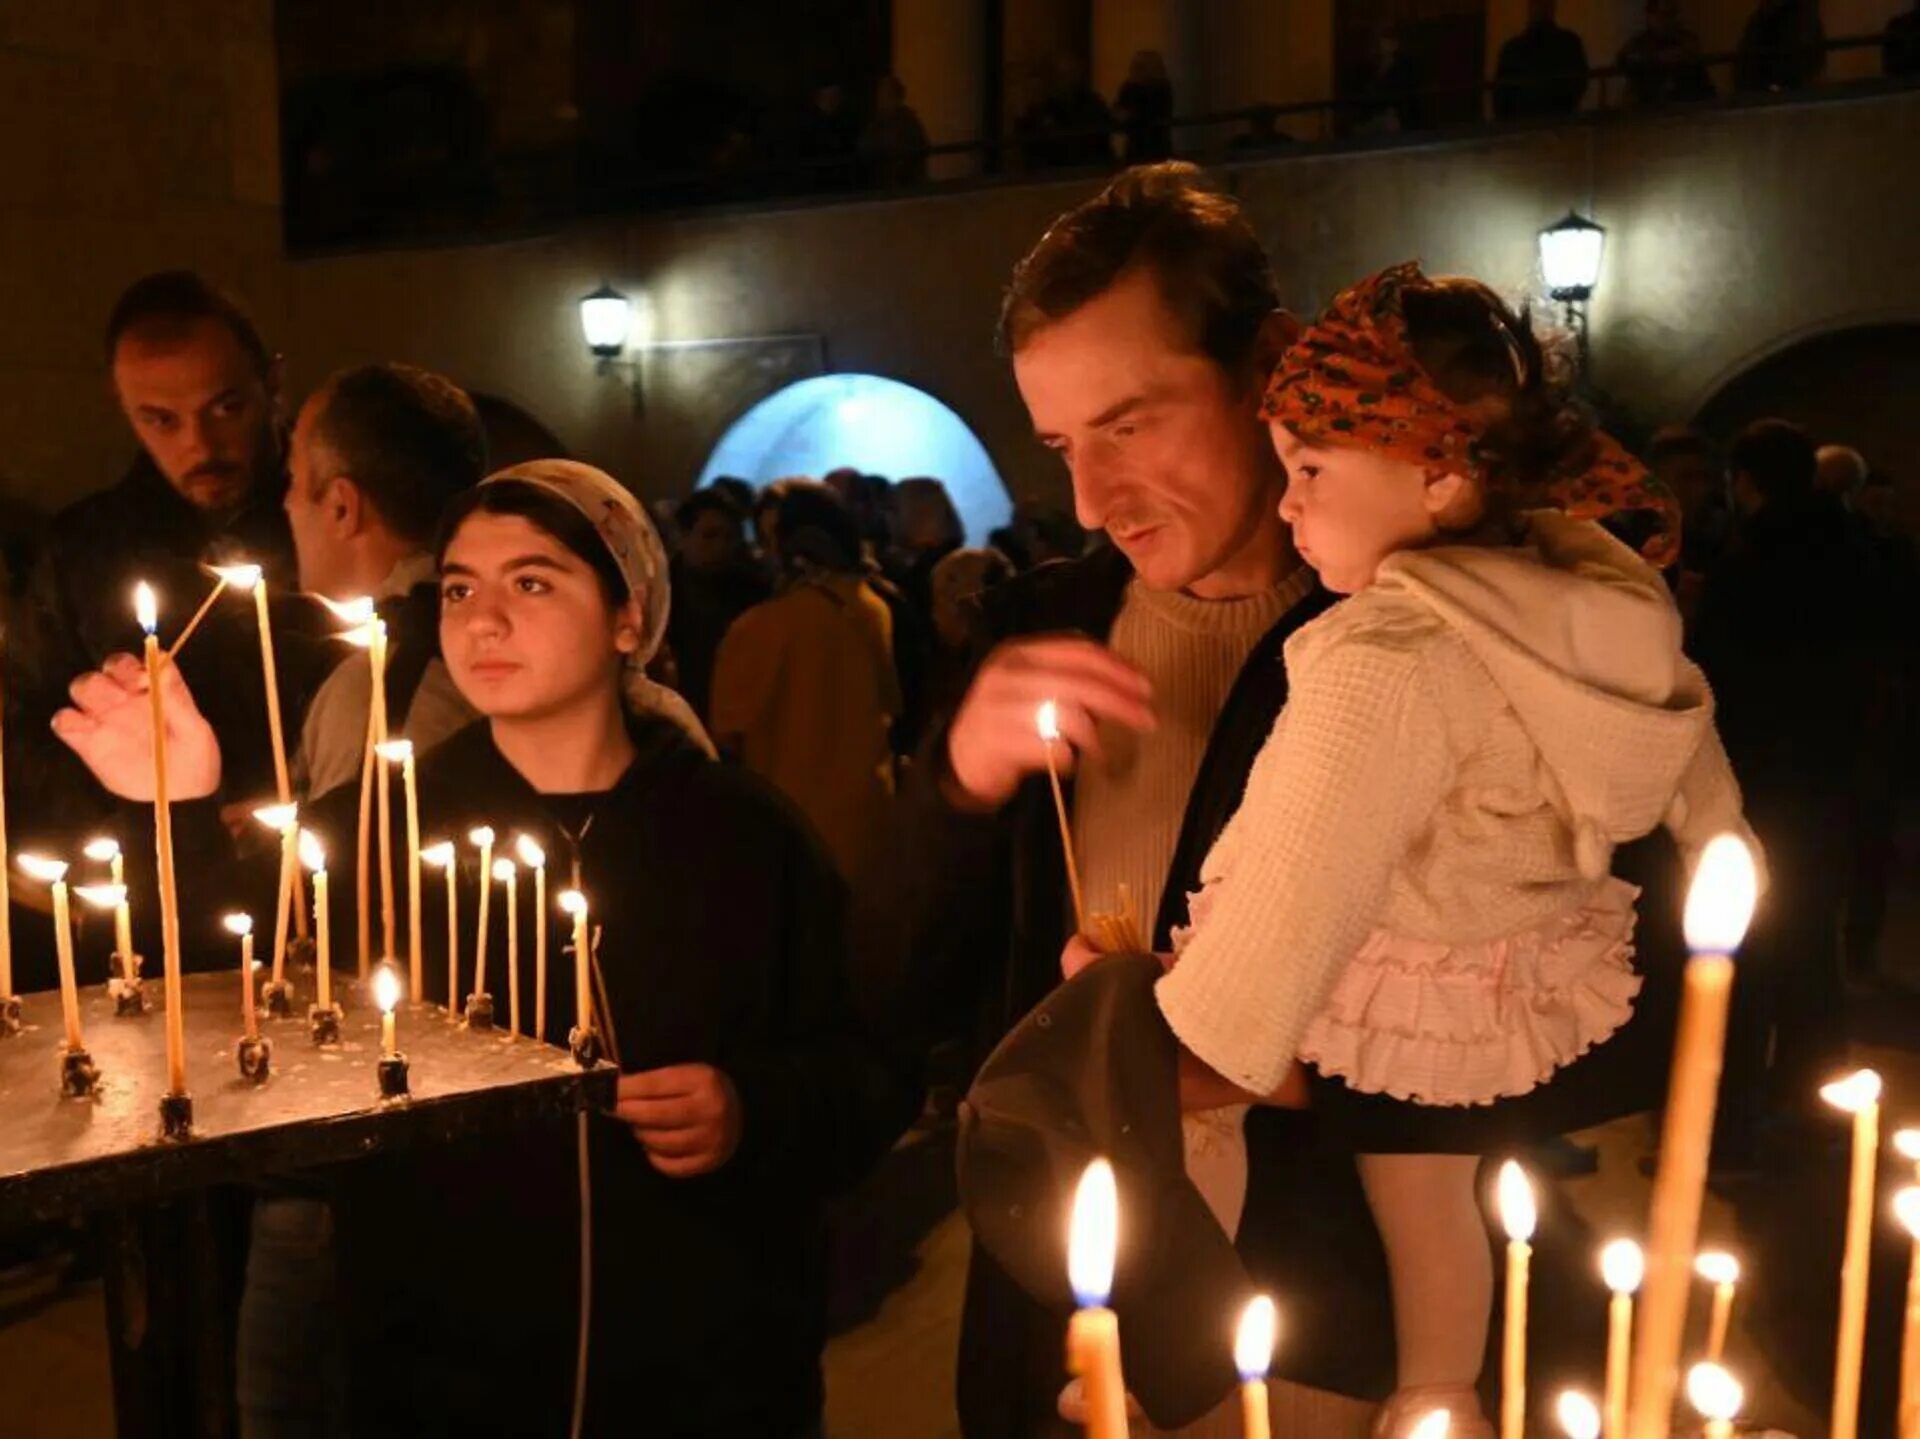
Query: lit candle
[(508, 873), (1623, 1266), (146, 608), (442, 857), (1859, 1095), (1437, 1425), (8, 1010), (1253, 1356), (359, 616), (483, 838), (1517, 1216), (251, 577), (53, 873), (314, 856), (386, 994), (377, 658), (107, 850), (1717, 1396), (1906, 1207), (575, 904), (1579, 1416), (1093, 1335), (242, 925), (109, 897), (400, 752), (1719, 905), (1047, 721), (1906, 1143), (1722, 1271), (284, 820), (535, 858)]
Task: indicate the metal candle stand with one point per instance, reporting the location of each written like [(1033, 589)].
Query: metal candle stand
[(78, 1077), (479, 1011), (323, 1024), (124, 984), (585, 1044), (9, 1015), (276, 997), (393, 1076), (176, 1116), (255, 1058)]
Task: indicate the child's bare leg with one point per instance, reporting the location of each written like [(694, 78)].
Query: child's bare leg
[(1440, 1263)]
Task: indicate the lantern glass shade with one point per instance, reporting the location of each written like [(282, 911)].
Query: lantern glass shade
[(1570, 255), (605, 317)]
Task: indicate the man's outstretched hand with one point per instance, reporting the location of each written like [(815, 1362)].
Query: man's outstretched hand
[(110, 726)]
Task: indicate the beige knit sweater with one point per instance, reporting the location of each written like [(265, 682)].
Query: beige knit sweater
[(1463, 744)]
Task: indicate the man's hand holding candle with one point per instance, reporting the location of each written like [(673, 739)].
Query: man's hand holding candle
[(110, 727), (992, 745)]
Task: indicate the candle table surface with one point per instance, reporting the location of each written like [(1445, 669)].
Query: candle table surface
[(321, 1105)]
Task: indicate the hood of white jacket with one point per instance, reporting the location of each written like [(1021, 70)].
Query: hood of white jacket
[(1582, 639)]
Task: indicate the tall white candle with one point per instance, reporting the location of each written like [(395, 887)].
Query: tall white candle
[(284, 820), (1093, 1334), (1579, 1416), (242, 925), (1906, 1206), (1518, 1216), (106, 850), (1623, 1266), (482, 838), (146, 609), (535, 859), (1858, 1095), (314, 855), (1717, 1396), (508, 873), (400, 752), (1722, 1271), (1253, 1357), (52, 872), (442, 856), (574, 903)]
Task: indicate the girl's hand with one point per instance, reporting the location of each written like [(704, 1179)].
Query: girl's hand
[(1077, 955)]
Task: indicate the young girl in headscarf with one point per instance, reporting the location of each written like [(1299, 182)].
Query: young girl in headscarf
[(747, 1090), (1411, 915)]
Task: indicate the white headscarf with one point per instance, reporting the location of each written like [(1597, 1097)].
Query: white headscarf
[(635, 545)]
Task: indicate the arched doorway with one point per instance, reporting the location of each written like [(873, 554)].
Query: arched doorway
[(868, 423), (1852, 387)]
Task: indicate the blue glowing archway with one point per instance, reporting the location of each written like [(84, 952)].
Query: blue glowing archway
[(869, 423)]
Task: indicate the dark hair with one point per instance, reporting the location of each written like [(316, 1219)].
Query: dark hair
[(1484, 355), (737, 492), (166, 304), (545, 511), (706, 502), (1165, 218), (1779, 457), (410, 439), (816, 528), (924, 489)]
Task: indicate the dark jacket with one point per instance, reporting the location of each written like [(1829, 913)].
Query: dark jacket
[(1782, 46), (723, 943), (969, 919), (1542, 71), (78, 610)]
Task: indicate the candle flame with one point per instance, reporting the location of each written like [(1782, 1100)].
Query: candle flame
[(278, 817), (1579, 1416), (1623, 1265), (1714, 1392), (573, 902), (103, 896), (1046, 719), (1437, 1425), (49, 871), (240, 924), (395, 751), (1856, 1092), (504, 870), (313, 854), (1518, 1213), (1253, 1342), (104, 849), (1094, 1235), (531, 855), (360, 636), (439, 855), (1906, 1208), (386, 988), (239, 577), (483, 836), (1721, 898), (146, 608), (1906, 1143), (1717, 1267), (357, 611)]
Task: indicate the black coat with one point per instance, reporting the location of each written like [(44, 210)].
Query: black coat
[(723, 943), (970, 917)]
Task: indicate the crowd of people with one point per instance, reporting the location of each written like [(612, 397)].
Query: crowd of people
[(1339, 589)]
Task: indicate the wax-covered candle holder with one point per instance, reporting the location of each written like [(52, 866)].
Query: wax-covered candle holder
[(276, 997), (176, 1116), (392, 1072), (585, 1044), (255, 1058), (125, 986), (78, 1077), (323, 1023), (9, 1015), (301, 952), (479, 1011)]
